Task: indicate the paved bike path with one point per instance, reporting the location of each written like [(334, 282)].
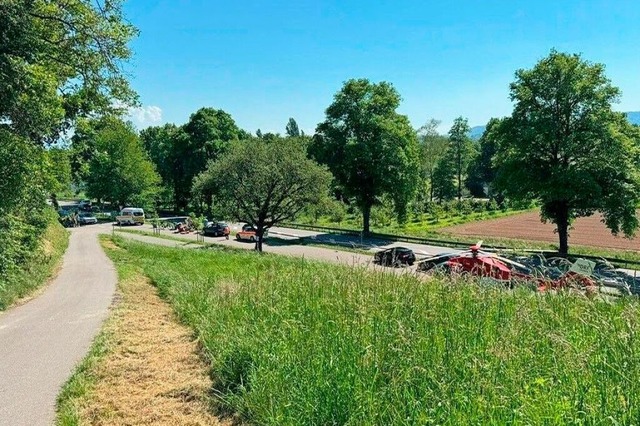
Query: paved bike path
[(43, 340)]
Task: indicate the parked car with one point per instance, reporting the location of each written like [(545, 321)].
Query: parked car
[(130, 216), (431, 262), (248, 233), (86, 218), (395, 256), (216, 229)]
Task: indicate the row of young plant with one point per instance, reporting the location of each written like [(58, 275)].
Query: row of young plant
[(298, 342), (428, 214)]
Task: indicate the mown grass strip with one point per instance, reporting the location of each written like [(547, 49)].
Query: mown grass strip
[(143, 368), (299, 342), (38, 269)]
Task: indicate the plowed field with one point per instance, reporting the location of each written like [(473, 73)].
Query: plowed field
[(588, 231)]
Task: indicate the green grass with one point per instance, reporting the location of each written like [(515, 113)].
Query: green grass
[(38, 268), (421, 226), (297, 342), (79, 385)]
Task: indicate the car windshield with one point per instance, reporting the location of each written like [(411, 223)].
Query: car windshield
[(138, 214), (222, 224)]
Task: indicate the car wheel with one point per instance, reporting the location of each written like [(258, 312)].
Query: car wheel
[(253, 239), (238, 237)]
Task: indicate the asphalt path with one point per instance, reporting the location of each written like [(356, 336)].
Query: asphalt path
[(42, 340)]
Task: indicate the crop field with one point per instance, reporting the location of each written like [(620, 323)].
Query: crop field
[(588, 231), (297, 342)]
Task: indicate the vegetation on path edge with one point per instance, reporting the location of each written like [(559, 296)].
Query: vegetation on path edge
[(37, 268)]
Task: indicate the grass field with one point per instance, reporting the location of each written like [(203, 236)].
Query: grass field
[(296, 342), (419, 226)]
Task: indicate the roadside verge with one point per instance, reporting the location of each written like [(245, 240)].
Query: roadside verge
[(20, 285), (143, 368)]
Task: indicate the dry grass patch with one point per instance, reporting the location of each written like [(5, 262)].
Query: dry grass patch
[(151, 373)]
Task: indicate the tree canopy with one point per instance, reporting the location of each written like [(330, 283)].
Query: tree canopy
[(433, 147), (565, 147), (60, 60), (120, 172), (292, 129), (370, 148), (263, 182)]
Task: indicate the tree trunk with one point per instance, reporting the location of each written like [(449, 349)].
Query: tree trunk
[(459, 173), (366, 217), (562, 222), (431, 187), (259, 238)]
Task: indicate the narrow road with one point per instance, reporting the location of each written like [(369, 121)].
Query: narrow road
[(43, 340)]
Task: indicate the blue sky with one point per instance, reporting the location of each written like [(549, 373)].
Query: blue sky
[(266, 61)]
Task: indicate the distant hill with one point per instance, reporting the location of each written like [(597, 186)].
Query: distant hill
[(476, 132), (633, 117)]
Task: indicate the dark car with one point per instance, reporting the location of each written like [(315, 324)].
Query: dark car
[(86, 218), (431, 262), (395, 256), (216, 229)]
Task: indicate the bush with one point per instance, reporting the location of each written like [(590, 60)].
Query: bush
[(24, 260)]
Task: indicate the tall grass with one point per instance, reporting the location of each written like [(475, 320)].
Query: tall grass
[(30, 270), (296, 342)]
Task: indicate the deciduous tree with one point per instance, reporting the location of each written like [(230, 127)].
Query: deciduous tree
[(120, 171), (370, 148), (565, 147), (263, 182), (60, 60), (433, 147), (460, 151)]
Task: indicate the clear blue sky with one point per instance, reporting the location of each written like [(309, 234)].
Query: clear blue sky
[(265, 61)]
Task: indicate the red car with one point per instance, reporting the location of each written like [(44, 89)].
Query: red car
[(248, 233)]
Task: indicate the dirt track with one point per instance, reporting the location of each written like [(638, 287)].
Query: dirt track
[(588, 231)]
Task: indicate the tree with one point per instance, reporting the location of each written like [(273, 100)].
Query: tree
[(433, 147), (292, 129), (481, 172), (168, 148), (460, 151), (61, 60), (442, 180), (205, 136), (58, 170), (565, 147), (370, 148), (264, 182), (120, 172)]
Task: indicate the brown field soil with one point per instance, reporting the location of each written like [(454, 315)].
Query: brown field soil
[(587, 231)]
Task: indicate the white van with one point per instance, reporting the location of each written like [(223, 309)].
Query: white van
[(130, 216)]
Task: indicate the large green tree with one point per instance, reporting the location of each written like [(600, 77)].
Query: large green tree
[(264, 182), (433, 147), (120, 172), (60, 60), (169, 149), (565, 147), (481, 171), (370, 148), (460, 152)]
